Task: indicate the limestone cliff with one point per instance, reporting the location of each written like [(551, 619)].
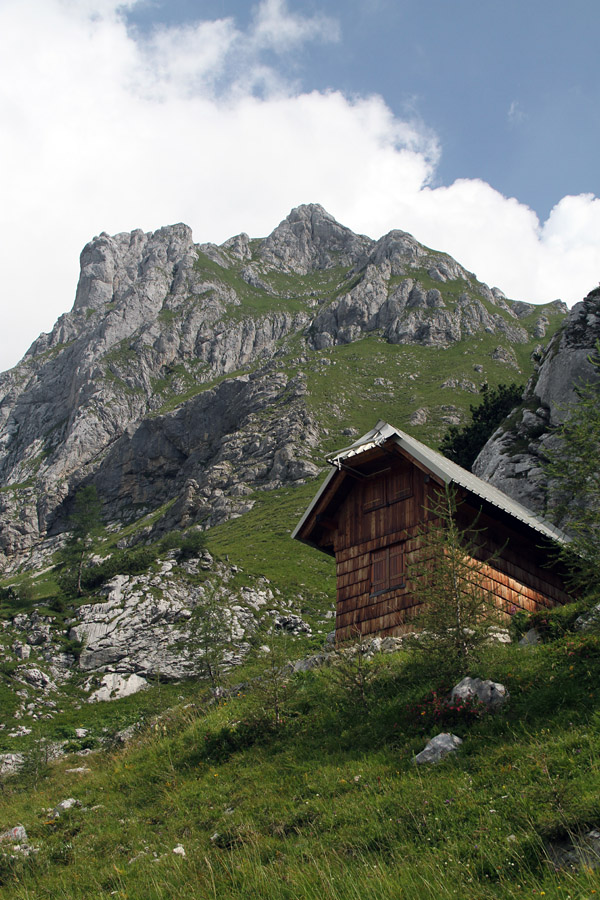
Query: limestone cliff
[(171, 378), (511, 458)]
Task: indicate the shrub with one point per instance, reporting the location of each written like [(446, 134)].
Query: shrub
[(438, 709), (462, 444)]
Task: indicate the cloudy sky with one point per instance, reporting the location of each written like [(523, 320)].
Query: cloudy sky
[(473, 124)]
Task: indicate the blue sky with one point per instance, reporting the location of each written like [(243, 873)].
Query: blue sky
[(511, 88), (473, 125)]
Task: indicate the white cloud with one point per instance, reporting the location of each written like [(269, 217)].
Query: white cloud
[(516, 114), (103, 130), (277, 28)]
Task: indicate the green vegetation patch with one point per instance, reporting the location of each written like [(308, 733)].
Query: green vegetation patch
[(260, 542), (327, 803)]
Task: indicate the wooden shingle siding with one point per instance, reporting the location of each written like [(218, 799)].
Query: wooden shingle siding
[(369, 523)]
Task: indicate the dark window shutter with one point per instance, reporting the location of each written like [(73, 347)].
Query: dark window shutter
[(401, 483), (379, 570), (374, 494), (396, 566)]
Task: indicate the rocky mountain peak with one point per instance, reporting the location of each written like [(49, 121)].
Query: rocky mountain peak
[(110, 266), (309, 238), (181, 373)]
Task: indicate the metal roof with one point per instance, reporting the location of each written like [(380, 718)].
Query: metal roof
[(447, 471)]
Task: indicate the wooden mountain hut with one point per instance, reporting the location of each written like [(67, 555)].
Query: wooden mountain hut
[(371, 514)]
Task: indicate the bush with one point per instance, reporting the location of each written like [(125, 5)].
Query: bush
[(439, 710), (550, 623), (121, 562), (192, 545)]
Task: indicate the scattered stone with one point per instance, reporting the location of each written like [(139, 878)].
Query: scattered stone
[(21, 651), (492, 694), (179, 850), (577, 853), (505, 355), (292, 624), (10, 763), (498, 635), (588, 620), (419, 416), (437, 748), (17, 835), (19, 731), (530, 638), (82, 770), (36, 678), (126, 734), (63, 806), (311, 662)]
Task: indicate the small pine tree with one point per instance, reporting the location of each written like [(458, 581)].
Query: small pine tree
[(355, 670), (448, 579), (210, 635), (273, 690)]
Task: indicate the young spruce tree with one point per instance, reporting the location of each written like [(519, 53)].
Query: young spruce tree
[(449, 580)]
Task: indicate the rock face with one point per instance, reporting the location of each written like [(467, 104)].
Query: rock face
[(170, 378), (138, 630), (511, 458)]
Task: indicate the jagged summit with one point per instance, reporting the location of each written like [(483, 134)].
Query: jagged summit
[(309, 238), (183, 372)]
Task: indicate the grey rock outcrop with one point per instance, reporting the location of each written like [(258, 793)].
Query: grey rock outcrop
[(511, 458), (115, 686), (142, 627), (309, 238)]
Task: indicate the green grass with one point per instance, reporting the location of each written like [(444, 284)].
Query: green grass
[(259, 542), (329, 804), (344, 394)]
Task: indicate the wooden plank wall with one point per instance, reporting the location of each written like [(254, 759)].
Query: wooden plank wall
[(516, 578)]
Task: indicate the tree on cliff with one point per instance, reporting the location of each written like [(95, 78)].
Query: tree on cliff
[(462, 444), (573, 470), (85, 522)]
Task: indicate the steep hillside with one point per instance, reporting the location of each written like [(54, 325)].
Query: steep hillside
[(221, 800), (200, 389)]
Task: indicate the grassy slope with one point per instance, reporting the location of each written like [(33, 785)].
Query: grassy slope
[(328, 804)]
